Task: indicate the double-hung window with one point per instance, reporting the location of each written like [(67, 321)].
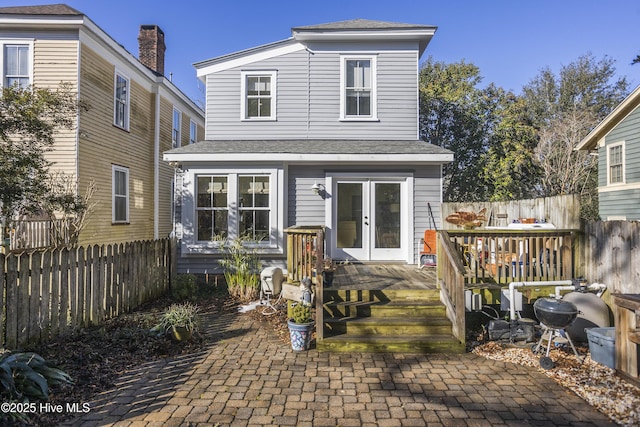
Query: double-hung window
[(16, 65), (258, 95), (193, 132), (234, 205), (358, 88), (253, 206), (120, 195), (212, 211), (175, 132), (121, 101), (615, 163)]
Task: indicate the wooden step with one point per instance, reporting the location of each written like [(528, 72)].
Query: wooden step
[(384, 309), (415, 295), (392, 344), (408, 320), (388, 326)]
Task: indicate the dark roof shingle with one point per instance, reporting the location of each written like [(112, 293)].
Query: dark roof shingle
[(359, 24), (48, 9), (312, 146)]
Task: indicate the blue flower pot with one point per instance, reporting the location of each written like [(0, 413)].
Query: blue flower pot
[(300, 334)]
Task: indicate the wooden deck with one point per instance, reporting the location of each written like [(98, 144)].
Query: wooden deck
[(383, 276)]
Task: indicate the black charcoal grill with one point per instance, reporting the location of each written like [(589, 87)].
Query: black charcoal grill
[(554, 315)]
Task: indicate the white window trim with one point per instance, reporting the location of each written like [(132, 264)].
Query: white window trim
[(3, 43), (608, 148), (374, 88), (193, 132), (114, 169), (176, 140), (243, 94), (275, 245), (127, 112)]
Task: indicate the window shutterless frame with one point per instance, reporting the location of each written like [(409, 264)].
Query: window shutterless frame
[(119, 195), (616, 163), (258, 95), (121, 100), (175, 128), (358, 88), (16, 62)]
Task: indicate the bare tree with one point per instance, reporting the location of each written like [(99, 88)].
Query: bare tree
[(67, 208), (565, 170)]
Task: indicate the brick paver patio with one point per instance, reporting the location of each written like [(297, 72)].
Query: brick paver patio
[(249, 377)]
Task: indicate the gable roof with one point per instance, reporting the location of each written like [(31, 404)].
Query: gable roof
[(626, 107), (49, 9), (311, 150), (355, 29)]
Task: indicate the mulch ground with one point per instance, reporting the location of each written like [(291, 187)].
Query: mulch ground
[(96, 356)]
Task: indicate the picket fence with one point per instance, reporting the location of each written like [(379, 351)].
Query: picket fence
[(50, 292)]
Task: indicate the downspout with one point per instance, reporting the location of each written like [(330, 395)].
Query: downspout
[(156, 163)]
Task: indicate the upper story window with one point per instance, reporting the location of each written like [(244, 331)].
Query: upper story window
[(16, 69), (258, 95), (358, 88), (121, 101), (175, 132), (193, 132), (615, 163), (120, 195)]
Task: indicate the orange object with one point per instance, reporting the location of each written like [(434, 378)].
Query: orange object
[(429, 246)]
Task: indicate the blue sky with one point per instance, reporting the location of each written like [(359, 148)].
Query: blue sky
[(510, 41)]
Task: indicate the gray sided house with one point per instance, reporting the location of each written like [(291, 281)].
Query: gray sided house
[(320, 129), (616, 141)]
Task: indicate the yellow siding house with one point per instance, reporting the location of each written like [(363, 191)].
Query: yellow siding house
[(133, 114)]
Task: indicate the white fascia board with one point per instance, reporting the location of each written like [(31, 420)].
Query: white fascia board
[(364, 35), (307, 158), (74, 21), (248, 59), (619, 113)]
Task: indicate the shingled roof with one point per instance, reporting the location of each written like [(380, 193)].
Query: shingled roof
[(47, 9), (360, 24)]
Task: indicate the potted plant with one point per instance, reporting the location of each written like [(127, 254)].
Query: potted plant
[(301, 326), (180, 321)]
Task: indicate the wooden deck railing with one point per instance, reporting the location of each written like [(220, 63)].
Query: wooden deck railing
[(451, 281), (305, 258), (504, 256)]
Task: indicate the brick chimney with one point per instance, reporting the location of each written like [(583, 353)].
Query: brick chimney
[(152, 47)]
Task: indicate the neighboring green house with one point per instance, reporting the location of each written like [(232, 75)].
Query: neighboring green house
[(616, 140)]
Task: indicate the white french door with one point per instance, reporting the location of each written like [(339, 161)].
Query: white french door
[(369, 219)]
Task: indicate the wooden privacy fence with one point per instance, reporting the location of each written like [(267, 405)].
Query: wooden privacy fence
[(612, 255), (49, 292)]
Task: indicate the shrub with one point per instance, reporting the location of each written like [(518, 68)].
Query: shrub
[(179, 315), (184, 287)]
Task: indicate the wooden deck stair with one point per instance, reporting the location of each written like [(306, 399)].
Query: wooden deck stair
[(395, 320)]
